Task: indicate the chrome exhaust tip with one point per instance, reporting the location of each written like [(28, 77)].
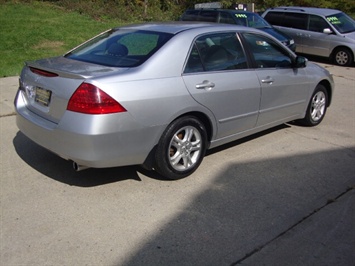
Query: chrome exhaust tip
[(78, 167)]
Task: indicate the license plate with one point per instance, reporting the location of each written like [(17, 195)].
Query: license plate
[(43, 96)]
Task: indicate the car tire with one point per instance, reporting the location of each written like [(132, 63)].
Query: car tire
[(181, 148), (343, 57), (317, 107)]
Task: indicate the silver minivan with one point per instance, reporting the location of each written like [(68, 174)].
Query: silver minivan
[(317, 31)]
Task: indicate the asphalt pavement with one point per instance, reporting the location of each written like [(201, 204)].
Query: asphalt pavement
[(282, 197)]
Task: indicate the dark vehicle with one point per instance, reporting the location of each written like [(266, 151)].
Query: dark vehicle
[(238, 17)]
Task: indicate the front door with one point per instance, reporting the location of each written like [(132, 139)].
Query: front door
[(316, 42), (284, 89)]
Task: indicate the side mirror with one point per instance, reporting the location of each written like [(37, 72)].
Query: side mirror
[(301, 62), (327, 31)]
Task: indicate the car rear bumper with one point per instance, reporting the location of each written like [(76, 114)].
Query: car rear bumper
[(89, 140)]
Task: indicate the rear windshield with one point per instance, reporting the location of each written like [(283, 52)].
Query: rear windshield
[(342, 22), (120, 48)]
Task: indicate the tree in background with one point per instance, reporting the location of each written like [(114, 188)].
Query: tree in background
[(149, 10)]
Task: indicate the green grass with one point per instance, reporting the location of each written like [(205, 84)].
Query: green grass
[(40, 30)]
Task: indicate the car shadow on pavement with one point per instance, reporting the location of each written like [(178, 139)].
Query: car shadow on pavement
[(154, 175), (61, 170), (246, 139)]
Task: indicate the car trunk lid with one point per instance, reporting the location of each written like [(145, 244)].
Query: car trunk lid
[(48, 84)]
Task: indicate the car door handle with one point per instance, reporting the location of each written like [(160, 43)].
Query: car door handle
[(267, 80), (207, 85)]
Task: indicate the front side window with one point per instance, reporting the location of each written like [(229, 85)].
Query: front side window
[(120, 48), (216, 52), (317, 24), (266, 52)]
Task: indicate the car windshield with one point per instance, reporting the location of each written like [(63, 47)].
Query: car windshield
[(251, 20), (342, 22), (120, 47)]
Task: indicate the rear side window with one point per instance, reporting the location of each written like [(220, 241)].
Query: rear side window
[(208, 16), (216, 52), (287, 19), (275, 18), (295, 20)]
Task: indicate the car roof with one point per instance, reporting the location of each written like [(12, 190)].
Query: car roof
[(175, 27), (234, 11), (308, 10)]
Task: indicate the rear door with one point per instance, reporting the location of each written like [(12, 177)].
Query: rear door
[(217, 76)]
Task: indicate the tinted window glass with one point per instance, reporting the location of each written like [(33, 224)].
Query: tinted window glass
[(194, 63), (295, 20), (209, 16), (317, 23), (275, 18), (267, 53), (226, 18), (120, 48), (190, 15), (285, 19)]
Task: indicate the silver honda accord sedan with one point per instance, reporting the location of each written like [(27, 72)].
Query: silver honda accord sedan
[(161, 94)]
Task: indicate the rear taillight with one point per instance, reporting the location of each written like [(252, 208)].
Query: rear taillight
[(89, 99), (43, 72)]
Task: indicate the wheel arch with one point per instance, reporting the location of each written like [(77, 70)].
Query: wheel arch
[(205, 120), (327, 86)]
